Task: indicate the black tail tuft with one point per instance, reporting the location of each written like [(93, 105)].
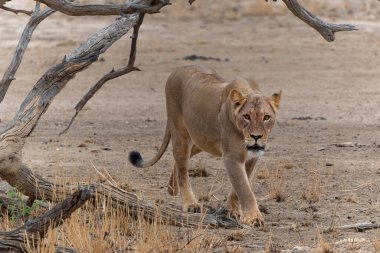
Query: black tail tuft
[(136, 159)]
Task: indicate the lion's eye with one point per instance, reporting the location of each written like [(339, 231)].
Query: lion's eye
[(266, 117), (247, 117)]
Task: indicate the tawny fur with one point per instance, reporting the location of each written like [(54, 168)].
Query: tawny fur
[(229, 120)]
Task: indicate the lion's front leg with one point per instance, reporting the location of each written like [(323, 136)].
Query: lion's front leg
[(233, 203), (242, 193)]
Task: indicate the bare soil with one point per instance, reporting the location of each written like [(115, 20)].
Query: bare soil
[(331, 95)]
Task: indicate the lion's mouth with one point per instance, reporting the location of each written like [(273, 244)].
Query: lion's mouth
[(255, 147)]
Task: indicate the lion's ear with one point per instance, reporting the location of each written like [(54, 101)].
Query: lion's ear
[(237, 98), (275, 100)]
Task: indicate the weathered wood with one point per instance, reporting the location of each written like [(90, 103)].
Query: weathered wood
[(15, 11), (37, 187), (111, 75), (34, 229), (68, 8), (23, 43), (360, 227), (327, 30), (12, 138)]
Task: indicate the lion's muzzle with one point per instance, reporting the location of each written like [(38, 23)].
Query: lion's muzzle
[(255, 147)]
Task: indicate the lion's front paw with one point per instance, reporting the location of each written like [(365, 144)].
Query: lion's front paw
[(254, 217), (193, 208), (233, 206)]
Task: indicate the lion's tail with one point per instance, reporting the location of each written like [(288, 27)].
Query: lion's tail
[(135, 156)]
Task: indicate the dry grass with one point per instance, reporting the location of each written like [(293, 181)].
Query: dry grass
[(235, 236), (199, 170), (263, 173), (289, 166), (313, 191), (324, 248), (276, 186), (99, 227), (205, 196), (271, 246), (352, 198), (375, 242), (105, 229)]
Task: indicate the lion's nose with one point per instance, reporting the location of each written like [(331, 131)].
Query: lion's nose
[(256, 137)]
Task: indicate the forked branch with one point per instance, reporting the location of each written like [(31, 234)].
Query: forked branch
[(68, 8), (9, 75), (112, 74), (16, 11), (327, 30)]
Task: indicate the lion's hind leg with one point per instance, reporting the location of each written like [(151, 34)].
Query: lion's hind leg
[(181, 151), (173, 187)]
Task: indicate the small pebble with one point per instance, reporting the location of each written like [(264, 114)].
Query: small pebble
[(301, 250)]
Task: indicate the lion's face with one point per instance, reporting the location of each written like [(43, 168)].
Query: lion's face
[(255, 116)]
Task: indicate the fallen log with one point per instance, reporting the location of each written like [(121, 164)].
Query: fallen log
[(16, 240), (359, 227)]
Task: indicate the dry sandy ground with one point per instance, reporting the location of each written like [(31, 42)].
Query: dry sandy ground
[(331, 95)]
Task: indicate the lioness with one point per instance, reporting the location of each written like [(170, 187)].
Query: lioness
[(229, 120)]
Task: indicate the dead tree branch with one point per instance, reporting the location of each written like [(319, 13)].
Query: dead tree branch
[(49, 85), (15, 11), (111, 75), (32, 230), (68, 8), (360, 227), (327, 30), (37, 17), (12, 137), (37, 187)]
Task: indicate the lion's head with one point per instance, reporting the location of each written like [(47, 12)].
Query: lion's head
[(254, 116)]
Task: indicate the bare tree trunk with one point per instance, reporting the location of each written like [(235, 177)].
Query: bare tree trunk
[(12, 138)]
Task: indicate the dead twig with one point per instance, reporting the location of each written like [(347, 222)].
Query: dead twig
[(16, 11), (111, 75), (359, 227), (37, 17), (68, 8), (327, 30)]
